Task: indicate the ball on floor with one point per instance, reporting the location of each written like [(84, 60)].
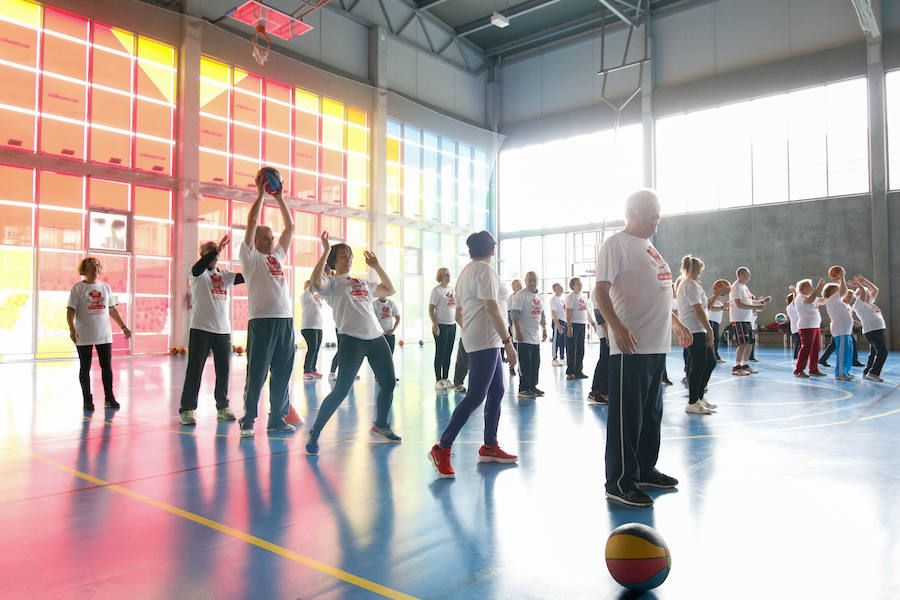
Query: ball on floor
[(781, 318), (637, 557)]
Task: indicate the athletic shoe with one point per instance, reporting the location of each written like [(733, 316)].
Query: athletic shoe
[(460, 388), (111, 403), (633, 497), (738, 371), (665, 381), (570, 377), (88, 404), (440, 458), (495, 454), (280, 427), (225, 414), (316, 375), (312, 444), (581, 376), (684, 381), (187, 418), (556, 363), (659, 480), (871, 377), (817, 374), (842, 378), (750, 370), (439, 385), (708, 405), (384, 432), (247, 431), (824, 363), (332, 376), (527, 394), (537, 392), (308, 376), (752, 360), (447, 383), (697, 409), (720, 360), (597, 398), (801, 374), (858, 364)]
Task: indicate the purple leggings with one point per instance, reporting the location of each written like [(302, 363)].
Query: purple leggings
[(485, 379)]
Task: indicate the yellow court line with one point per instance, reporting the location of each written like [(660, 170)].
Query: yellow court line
[(238, 534)]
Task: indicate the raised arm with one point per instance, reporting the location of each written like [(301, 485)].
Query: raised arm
[(288, 234), (253, 217), (386, 287), (871, 288), (315, 277)]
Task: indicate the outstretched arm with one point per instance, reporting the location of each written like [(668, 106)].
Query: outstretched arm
[(386, 287), (288, 234), (253, 217), (315, 278)]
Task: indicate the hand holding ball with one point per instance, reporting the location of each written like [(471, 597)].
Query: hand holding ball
[(836, 272), (270, 179), (721, 287)]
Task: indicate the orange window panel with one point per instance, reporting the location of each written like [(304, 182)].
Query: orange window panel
[(358, 140), (113, 39), (278, 107), (213, 134), (58, 137), (332, 162), (277, 149), (58, 271), (155, 203), (152, 238), (246, 141), (61, 55), (18, 184), (243, 173), (305, 156), (214, 87), (214, 211), (213, 168), (153, 156), (306, 252), (332, 191), (272, 217), (111, 70), (357, 117), (16, 225), (19, 87), (57, 189), (305, 186), (109, 108), (156, 70), (154, 119), (22, 41), (240, 212), (333, 225), (150, 343), (306, 224), (247, 109), (60, 229), (108, 194), (306, 125), (110, 147), (115, 273), (247, 82), (151, 315), (152, 275), (332, 132), (17, 130)]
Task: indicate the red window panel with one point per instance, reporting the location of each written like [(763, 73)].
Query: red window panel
[(213, 133), (152, 275), (150, 343), (57, 189), (152, 155), (60, 229), (243, 173), (151, 315), (152, 202), (305, 186), (115, 273), (109, 194), (58, 271), (240, 313), (154, 119)]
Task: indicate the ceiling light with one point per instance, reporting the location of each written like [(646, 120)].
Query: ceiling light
[(498, 20)]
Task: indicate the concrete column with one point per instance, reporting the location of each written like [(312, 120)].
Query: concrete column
[(881, 260), (378, 57), (187, 195), (647, 116)]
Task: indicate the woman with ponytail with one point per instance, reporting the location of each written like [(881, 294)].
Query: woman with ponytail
[(701, 360)]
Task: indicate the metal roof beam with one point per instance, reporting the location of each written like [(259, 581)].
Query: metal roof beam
[(597, 17), (614, 10), (428, 4), (510, 13)]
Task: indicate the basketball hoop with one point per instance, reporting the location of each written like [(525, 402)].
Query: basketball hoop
[(261, 53)]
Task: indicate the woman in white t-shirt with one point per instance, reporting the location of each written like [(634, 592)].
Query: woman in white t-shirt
[(442, 312), (717, 306), (793, 317), (311, 324), (484, 331), (873, 327), (91, 304), (361, 336), (701, 360), (809, 322), (837, 298), (577, 318)]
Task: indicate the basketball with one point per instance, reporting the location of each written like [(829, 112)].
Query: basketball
[(421, 343), (173, 350), (239, 350), (721, 287), (637, 557), (400, 342), (273, 182), (182, 351), (835, 272), (781, 318)]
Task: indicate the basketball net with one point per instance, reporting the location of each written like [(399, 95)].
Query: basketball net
[(261, 53)]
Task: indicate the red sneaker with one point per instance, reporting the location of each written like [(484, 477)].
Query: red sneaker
[(495, 454), (440, 458)]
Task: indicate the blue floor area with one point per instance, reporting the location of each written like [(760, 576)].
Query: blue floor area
[(789, 490)]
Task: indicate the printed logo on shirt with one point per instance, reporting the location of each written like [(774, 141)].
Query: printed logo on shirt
[(385, 312), (451, 301), (95, 301), (536, 307), (275, 268), (581, 304), (658, 262), (358, 290), (218, 290)]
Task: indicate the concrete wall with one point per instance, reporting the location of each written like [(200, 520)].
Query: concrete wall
[(781, 244)]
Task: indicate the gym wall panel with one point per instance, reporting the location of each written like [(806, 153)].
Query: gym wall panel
[(435, 81), (470, 97), (345, 44), (521, 90), (684, 45), (750, 33), (568, 78), (820, 24), (401, 68)]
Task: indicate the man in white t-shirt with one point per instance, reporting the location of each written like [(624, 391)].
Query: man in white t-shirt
[(530, 329), (270, 332), (210, 330), (634, 293), (742, 307), (388, 317)]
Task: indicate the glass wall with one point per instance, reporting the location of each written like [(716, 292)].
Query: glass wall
[(892, 99)]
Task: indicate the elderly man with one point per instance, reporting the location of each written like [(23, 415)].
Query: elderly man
[(634, 293)]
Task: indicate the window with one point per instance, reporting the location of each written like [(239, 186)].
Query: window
[(892, 99)]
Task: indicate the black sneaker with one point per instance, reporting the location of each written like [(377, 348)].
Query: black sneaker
[(597, 398), (658, 480), (752, 360), (537, 392), (858, 364), (633, 497), (824, 363), (581, 376), (111, 403), (665, 381), (88, 406)]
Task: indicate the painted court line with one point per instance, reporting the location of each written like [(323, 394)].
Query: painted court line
[(241, 535)]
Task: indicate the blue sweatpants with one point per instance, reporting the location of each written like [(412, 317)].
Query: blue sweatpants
[(485, 380), (844, 360), (270, 347)]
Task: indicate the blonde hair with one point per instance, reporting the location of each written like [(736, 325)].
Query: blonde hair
[(440, 274), (208, 247), (82, 266), (691, 266), (802, 283), (829, 290), (573, 281)]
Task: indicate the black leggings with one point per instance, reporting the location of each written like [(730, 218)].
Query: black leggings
[(337, 354), (795, 340), (313, 339), (877, 352), (701, 363), (199, 345), (352, 351), (104, 356), (443, 348), (575, 350), (715, 328)]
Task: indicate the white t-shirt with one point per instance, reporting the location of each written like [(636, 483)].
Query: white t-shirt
[(792, 314), (91, 303), (641, 291), (477, 282), (840, 314), (527, 307), (576, 303), (869, 315), (716, 316), (266, 284), (558, 308), (351, 302), (209, 292), (445, 300), (385, 313), (311, 305), (740, 292), (690, 292), (502, 300), (808, 315)]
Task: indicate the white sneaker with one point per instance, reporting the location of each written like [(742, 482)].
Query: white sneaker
[(332, 376), (187, 418), (697, 409), (447, 384), (247, 433), (751, 370), (439, 385), (556, 363), (225, 414), (842, 378), (708, 405)]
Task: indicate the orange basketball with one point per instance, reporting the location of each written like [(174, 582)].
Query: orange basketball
[(400, 342), (239, 349), (173, 350), (835, 272), (721, 287), (182, 351)]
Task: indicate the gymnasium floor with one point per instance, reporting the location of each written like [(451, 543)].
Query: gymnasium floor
[(789, 491)]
